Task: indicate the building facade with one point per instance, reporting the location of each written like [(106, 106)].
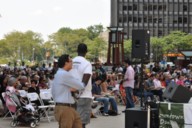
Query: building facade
[(160, 17)]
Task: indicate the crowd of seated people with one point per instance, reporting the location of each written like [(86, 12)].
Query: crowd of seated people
[(155, 81), (28, 79)]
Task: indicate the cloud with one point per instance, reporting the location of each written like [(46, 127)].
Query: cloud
[(57, 9), (38, 12)]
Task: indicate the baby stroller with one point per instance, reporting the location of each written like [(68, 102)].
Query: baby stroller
[(23, 113)]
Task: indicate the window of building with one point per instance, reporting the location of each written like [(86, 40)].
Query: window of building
[(160, 7), (154, 7), (124, 19), (145, 19), (144, 7), (190, 19), (135, 7), (150, 19), (180, 20), (164, 7), (175, 19), (184, 7), (130, 7), (134, 19), (129, 19), (120, 19), (125, 31), (160, 33), (160, 20), (124, 8), (139, 19), (150, 7), (184, 19), (154, 20)]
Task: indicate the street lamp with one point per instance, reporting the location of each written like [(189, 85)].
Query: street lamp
[(115, 46)]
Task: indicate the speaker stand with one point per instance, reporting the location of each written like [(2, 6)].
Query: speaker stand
[(141, 86)]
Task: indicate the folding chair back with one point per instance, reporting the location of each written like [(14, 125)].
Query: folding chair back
[(35, 97), (45, 95), (32, 96), (22, 93)]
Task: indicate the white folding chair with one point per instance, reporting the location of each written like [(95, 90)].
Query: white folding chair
[(22, 93), (47, 96), (35, 97)]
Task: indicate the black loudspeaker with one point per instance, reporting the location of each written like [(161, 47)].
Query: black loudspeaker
[(140, 44), (177, 93), (137, 118)]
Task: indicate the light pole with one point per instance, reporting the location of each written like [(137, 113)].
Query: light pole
[(115, 46), (33, 56)]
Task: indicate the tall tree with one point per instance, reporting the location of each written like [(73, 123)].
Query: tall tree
[(94, 31), (20, 45)]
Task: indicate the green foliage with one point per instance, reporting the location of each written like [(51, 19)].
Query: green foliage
[(94, 31), (23, 46), (67, 40), (127, 48), (96, 48), (18, 45)]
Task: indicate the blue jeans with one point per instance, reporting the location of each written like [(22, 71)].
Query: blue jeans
[(145, 94), (106, 101), (129, 99)]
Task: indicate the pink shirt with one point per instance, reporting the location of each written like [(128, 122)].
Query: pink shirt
[(130, 75), (180, 82)]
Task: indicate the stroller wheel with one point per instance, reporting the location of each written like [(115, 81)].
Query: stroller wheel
[(37, 121), (32, 124), (13, 123)]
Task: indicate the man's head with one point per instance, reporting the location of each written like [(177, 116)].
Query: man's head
[(127, 62), (65, 62), (82, 49), (23, 79), (98, 80), (33, 83)]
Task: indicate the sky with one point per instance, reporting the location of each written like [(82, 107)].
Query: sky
[(48, 16)]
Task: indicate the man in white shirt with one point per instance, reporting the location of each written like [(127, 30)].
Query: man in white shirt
[(82, 69)]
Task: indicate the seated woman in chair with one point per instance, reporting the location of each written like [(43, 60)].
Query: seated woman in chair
[(34, 87), (101, 97)]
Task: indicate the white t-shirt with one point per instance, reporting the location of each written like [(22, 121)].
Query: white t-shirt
[(157, 83), (80, 67)]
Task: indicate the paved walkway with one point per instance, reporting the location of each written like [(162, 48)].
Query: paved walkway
[(99, 122)]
